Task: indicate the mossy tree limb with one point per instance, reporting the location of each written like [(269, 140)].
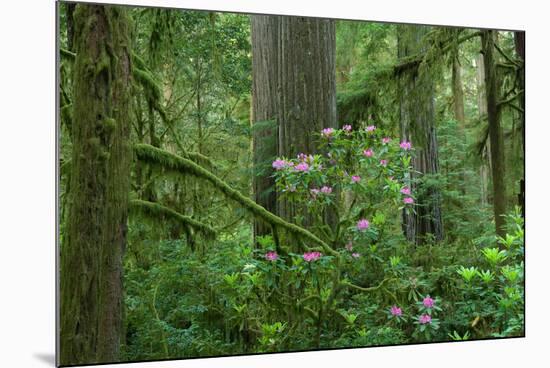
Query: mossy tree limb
[(176, 163), (158, 210)]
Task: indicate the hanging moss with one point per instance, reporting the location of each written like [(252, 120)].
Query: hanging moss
[(173, 162), (161, 212)]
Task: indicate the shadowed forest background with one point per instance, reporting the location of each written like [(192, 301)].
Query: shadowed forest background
[(235, 184)]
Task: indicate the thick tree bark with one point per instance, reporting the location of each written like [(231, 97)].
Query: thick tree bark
[(92, 250), (495, 131), (307, 91), (264, 32), (417, 126)]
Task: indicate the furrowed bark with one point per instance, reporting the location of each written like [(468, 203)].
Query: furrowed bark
[(92, 250)]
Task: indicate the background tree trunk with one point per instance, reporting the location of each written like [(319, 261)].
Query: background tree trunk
[(519, 38), (485, 166), (417, 125), (495, 131), (264, 32), (307, 90), (458, 105), (91, 255)]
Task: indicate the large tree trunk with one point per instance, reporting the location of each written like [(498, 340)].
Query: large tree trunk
[(495, 131), (307, 91), (264, 32), (92, 251), (417, 126)]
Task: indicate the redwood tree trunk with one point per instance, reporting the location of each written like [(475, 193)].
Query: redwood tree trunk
[(264, 32), (495, 131), (92, 251), (417, 126), (307, 91)]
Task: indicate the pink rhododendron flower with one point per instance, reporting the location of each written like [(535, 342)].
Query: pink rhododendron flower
[(356, 255), (428, 302), (424, 319), (408, 200), (327, 132), (279, 164), (396, 311), (347, 128), (314, 192), (349, 246), (384, 162), (368, 152), (370, 128), (326, 190), (406, 190), (271, 256), (355, 178), (362, 224), (311, 256), (302, 166), (405, 145), (386, 140)]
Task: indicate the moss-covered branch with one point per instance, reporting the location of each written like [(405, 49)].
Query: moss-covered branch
[(415, 60), (173, 162), (156, 209), (347, 283)]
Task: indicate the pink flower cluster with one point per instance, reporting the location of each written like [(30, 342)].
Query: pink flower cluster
[(279, 164), (408, 200), (356, 178), (368, 152), (370, 128), (406, 145), (424, 319), (326, 190), (271, 256), (347, 128), (386, 140), (311, 256), (362, 224), (355, 255), (396, 311), (302, 166), (384, 162), (406, 191), (428, 302), (305, 158), (327, 132)]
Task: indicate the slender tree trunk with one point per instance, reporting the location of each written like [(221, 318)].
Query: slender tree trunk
[(264, 32), (485, 166), (307, 91), (458, 104), (495, 131), (519, 38), (417, 125), (91, 255)]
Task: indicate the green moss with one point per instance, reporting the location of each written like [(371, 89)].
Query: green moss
[(161, 212)]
